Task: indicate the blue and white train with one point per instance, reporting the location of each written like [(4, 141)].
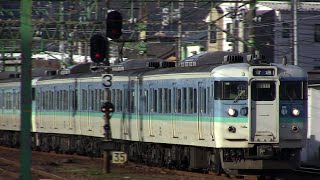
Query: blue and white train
[(212, 111)]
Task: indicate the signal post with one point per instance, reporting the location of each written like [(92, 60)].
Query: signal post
[(99, 53)]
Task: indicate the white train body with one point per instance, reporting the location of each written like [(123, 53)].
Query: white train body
[(235, 115)]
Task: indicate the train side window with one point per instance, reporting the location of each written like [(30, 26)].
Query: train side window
[(51, 102), (101, 98), (1, 100), (195, 101), (113, 97), (165, 100), (169, 101), (191, 103), (203, 100), (84, 99), (184, 100), (179, 101), (33, 94), (155, 103), (47, 101), (146, 101), (160, 99), (132, 96), (121, 100)]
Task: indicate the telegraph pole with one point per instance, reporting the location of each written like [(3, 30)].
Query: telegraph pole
[(26, 89)]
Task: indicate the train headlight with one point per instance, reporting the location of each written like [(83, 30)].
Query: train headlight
[(231, 112), (295, 112)]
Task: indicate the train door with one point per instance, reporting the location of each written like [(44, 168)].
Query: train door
[(152, 105), (2, 100), (90, 108), (202, 108), (14, 108), (176, 109), (211, 108), (264, 119), (126, 115)]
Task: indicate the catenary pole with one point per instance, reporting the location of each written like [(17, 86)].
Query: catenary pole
[(26, 89), (294, 6)]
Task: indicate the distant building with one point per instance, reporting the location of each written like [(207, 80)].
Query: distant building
[(273, 31)]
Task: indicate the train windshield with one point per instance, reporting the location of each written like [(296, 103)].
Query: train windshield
[(263, 91), (230, 90), (293, 90)]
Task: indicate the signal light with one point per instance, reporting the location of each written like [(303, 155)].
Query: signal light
[(107, 107), (98, 47), (114, 25)]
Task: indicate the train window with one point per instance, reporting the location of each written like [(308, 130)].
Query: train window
[(184, 100), (146, 100), (190, 100), (51, 102), (84, 99), (33, 94), (160, 99), (165, 102), (230, 90), (203, 100), (18, 100), (179, 101), (67, 101), (44, 100), (58, 100), (132, 101), (263, 91), (113, 97), (293, 90), (155, 103), (195, 100), (169, 101), (73, 99), (119, 92)]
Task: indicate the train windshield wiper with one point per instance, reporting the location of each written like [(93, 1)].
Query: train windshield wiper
[(291, 99), (239, 95)]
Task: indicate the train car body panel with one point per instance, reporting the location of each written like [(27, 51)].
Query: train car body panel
[(241, 116)]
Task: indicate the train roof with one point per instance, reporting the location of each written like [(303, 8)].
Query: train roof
[(200, 63), (214, 63)]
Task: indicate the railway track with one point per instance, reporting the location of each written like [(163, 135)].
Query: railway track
[(308, 170), (12, 169)]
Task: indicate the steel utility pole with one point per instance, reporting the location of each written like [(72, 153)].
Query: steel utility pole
[(294, 7), (26, 91), (251, 16)]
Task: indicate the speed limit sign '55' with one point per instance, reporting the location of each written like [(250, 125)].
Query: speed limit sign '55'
[(107, 80)]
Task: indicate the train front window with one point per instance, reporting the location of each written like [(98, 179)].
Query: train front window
[(263, 91), (230, 90), (293, 90)]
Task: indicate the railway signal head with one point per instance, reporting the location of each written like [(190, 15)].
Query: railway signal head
[(114, 25), (98, 46), (107, 107)]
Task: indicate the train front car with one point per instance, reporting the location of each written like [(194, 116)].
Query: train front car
[(260, 116)]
